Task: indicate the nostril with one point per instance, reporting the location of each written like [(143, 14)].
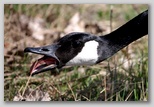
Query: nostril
[(44, 49)]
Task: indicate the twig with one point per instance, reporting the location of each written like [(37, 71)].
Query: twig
[(56, 89), (72, 92), (20, 89), (26, 85), (85, 97), (111, 17), (129, 95), (105, 88)]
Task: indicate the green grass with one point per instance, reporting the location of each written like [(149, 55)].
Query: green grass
[(88, 85), (119, 78)]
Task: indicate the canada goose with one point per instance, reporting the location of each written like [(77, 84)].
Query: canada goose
[(87, 49)]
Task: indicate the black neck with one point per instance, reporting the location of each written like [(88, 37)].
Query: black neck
[(129, 32), (123, 36)]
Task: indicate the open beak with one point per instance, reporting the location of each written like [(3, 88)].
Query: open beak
[(48, 62)]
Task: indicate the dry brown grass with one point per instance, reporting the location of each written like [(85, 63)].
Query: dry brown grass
[(123, 77)]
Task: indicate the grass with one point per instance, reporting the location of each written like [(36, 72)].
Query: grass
[(89, 85), (123, 77)]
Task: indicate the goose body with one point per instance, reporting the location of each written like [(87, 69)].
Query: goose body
[(79, 48)]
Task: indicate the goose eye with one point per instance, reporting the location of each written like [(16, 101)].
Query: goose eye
[(76, 44)]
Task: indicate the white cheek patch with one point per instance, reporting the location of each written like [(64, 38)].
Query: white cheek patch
[(87, 56)]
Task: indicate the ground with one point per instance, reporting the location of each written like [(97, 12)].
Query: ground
[(123, 77)]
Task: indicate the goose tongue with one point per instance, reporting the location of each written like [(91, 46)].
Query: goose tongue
[(43, 64)]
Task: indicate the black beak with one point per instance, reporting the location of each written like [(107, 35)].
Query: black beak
[(45, 50)]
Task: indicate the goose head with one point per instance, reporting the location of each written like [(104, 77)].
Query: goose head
[(73, 49)]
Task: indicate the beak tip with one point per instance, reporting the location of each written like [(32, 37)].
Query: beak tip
[(32, 74), (26, 50)]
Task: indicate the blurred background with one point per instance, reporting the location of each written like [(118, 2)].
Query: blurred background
[(123, 77)]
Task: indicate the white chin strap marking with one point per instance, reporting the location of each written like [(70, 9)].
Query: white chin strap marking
[(87, 56)]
